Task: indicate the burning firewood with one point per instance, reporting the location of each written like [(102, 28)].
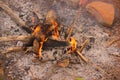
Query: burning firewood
[(41, 32)]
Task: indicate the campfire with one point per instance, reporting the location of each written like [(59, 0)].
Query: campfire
[(44, 33)]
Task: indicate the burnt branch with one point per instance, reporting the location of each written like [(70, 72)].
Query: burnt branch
[(11, 49), (71, 27)]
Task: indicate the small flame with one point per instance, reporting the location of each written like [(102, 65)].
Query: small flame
[(54, 23), (53, 26), (36, 32), (73, 43), (55, 34)]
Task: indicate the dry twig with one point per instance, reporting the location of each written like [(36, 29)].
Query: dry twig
[(112, 42), (11, 49), (15, 38), (83, 45), (13, 16), (71, 27), (11, 13), (82, 57), (16, 49), (81, 49)]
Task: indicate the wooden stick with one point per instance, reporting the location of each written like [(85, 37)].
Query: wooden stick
[(81, 49), (18, 48), (112, 42), (82, 57), (73, 24), (15, 38), (83, 45), (39, 15), (11, 49), (12, 14)]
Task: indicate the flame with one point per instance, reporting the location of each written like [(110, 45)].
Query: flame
[(40, 49), (54, 26), (37, 29), (54, 23), (39, 35), (73, 43), (56, 35)]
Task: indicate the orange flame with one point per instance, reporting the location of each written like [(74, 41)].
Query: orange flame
[(37, 32), (55, 34), (39, 35), (73, 43)]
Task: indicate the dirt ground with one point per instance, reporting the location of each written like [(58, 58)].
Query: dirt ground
[(103, 62)]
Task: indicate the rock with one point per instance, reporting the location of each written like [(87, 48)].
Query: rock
[(103, 12)]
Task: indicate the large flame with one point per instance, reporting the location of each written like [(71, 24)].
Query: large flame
[(42, 36)]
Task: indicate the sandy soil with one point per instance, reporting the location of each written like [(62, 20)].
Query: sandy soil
[(18, 66)]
